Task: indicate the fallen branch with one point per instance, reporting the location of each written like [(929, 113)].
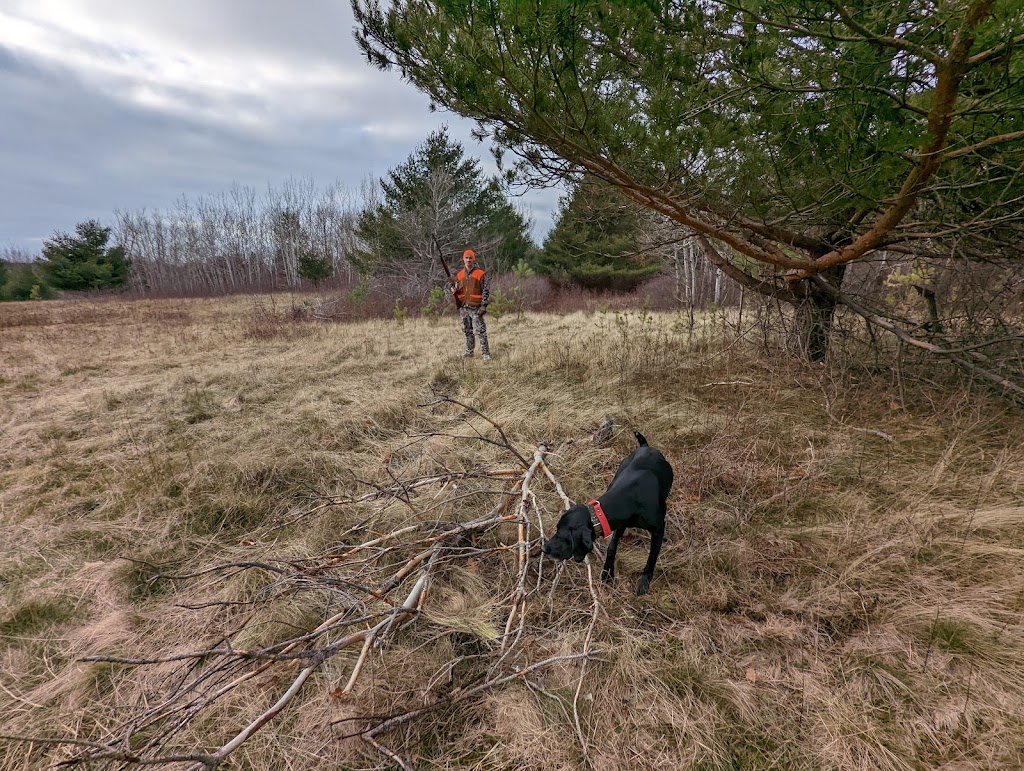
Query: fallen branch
[(523, 553), (504, 443), (595, 609), (408, 606), (362, 576)]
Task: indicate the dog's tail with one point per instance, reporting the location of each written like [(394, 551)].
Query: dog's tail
[(640, 439)]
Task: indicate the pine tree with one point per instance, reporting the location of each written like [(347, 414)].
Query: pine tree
[(83, 261), (594, 242), (791, 139), (315, 268), (438, 193)]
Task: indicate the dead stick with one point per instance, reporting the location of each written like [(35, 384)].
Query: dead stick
[(374, 542), (389, 753), (519, 599), (384, 626), (287, 696), (558, 486), (586, 652)]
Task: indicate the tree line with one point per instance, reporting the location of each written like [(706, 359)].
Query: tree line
[(389, 231)]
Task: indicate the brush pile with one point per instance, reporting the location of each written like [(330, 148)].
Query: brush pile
[(378, 586)]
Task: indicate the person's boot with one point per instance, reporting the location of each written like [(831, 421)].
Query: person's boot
[(487, 357), (467, 354)]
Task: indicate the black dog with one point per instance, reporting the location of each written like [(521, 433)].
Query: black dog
[(635, 498)]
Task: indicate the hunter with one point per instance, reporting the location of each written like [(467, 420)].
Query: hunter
[(472, 294)]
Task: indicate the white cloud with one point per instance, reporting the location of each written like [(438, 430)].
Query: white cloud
[(121, 104), (154, 69)]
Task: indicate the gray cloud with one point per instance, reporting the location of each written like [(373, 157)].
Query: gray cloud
[(110, 105)]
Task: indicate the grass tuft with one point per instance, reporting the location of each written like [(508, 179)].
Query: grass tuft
[(37, 616)]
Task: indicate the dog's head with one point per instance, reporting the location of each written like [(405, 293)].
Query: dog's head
[(574, 536)]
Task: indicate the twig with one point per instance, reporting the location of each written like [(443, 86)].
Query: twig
[(558, 486), (106, 752), (391, 492), (586, 651), (402, 763), (332, 560), (504, 439), (973, 365), (409, 606), (405, 717)]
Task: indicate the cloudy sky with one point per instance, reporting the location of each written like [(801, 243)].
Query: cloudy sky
[(131, 104)]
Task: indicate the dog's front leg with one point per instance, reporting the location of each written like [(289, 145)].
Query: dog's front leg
[(652, 559), (608, 571)]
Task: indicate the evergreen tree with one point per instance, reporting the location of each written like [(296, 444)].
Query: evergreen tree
[(594, 242), (439, 193), (83, 261), (315, 268), (23, 281)]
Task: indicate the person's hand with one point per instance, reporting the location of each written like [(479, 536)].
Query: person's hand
[(482, 310)]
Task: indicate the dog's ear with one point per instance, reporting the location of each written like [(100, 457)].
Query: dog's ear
[(583, 542)]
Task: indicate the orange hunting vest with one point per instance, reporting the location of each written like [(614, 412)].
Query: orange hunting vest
[(470, 291)]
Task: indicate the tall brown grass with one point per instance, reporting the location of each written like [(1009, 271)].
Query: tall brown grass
[(825, 599)]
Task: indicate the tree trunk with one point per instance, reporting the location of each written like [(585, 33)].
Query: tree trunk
[(815, 307), (815, 314)]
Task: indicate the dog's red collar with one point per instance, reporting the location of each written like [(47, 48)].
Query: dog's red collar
[(598, 518)]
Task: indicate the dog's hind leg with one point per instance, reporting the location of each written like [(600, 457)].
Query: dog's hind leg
[(657, 537), (608, 571)]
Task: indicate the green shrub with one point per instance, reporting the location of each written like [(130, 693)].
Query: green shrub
[(437, 305), (25, 282), (503, 304), (399, 312), (522, 269), (360, 293)]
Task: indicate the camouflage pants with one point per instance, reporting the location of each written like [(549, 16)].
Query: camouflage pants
[(473, 321)]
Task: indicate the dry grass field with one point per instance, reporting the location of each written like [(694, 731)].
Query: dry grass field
[(207, 506)]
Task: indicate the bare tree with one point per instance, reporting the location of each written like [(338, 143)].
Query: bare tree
[(239, 240)]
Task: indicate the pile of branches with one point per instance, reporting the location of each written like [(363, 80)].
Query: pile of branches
[(383, 584)]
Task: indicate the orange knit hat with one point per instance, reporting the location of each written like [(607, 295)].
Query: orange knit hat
[(469, 253)]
